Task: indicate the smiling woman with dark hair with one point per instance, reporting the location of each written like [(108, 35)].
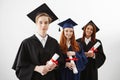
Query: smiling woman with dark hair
[(96, 58)]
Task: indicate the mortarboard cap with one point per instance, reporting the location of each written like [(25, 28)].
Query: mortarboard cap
[(93, 24), (42, 9), (69, 23)]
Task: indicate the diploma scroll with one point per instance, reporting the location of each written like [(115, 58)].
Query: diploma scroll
[(94, 47), (54, 59), (75, 71)]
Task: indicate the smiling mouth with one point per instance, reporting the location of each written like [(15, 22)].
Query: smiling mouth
[(43, 29), (89, 32)]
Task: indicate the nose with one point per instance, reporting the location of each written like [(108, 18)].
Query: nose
[(43, 25), (89, 30), (69, 32)]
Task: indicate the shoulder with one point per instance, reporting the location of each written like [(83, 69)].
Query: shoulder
[(97, 40), (29, 39), (78, 40), (80, 45), (52, 39)]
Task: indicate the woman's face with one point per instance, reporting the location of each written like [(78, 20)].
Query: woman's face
[(89, 31), (68, 32), (42, 24)]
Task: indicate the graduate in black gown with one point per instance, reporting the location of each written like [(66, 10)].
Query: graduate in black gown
[(95, 59), (31, 62), (70, 47)]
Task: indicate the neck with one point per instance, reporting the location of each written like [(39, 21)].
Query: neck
[(43, 35), (68, 41), (87, 37)]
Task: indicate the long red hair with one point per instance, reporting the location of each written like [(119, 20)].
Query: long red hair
[(75, 46)]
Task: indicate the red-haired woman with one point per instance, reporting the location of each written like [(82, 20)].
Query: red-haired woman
[(70, 47)]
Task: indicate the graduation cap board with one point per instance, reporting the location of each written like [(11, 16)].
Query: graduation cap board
[(69, 23), (93, 24), (42, 9)]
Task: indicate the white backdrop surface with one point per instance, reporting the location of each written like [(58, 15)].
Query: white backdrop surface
[(16, 26)]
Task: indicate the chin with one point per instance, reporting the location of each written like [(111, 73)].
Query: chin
[(68, 37)]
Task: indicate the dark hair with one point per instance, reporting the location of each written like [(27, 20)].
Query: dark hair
[(93, 36)]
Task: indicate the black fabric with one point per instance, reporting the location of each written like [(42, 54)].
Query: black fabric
[(91, 70), (32, 53), (42, 9)]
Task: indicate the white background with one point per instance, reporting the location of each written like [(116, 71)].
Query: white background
[(16, 26)]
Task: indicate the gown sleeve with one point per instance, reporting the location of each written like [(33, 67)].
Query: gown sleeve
[(82, 59), (22, 65), (61, 60), (99, 56)]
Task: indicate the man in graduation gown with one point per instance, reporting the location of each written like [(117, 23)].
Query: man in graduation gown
[(95, 59), (31, 62)]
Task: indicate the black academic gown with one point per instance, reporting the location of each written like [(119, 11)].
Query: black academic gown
[(66, 73), (91, 70), (32, 53)]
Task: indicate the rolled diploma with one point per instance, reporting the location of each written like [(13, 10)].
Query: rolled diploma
[(94, 47), (75, 71), (55, 57)]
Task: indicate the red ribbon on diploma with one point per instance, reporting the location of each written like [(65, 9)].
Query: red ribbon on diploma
[(54, 61), (75, 59), (93, 49)]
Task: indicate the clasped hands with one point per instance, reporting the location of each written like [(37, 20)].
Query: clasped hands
[(44, 69), (69, 64), (89, 54)]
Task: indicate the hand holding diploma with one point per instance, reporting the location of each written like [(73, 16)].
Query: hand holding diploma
[(41, 69), (75, 71), (94, 47), (53, 62), (90, 53), (54, 59), (70, 54), (44, 69)]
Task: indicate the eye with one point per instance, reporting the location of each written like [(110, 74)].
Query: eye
[(91, 29), (71, 31), (40, 22), (46, 22), (87, 28), (66, 30)]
